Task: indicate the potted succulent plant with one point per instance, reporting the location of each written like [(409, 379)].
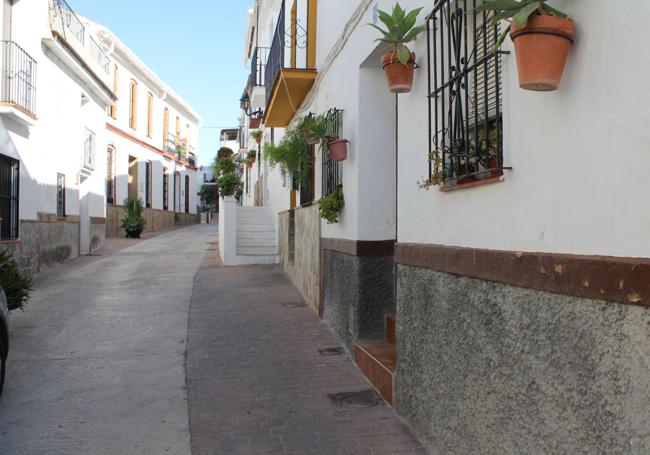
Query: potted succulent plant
[(134, 222), (319, 131), (399, 61), (251, 156), (542, 37), (257, 135)]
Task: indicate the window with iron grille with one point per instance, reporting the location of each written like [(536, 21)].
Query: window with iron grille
[(187, 194), (110, 176), (332, 172), (60, 195), (465, 105), (148, 184), (9, 186), (165, 189)]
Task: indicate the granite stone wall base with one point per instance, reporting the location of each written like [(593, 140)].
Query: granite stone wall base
[(44, 243), (299, 249), (488, 368), (97, 235), (155, 220), (358, 293)]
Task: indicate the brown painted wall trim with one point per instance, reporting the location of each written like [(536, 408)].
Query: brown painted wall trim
[(141, 143), (54, 218), (97, 220), (625, 280), (363, 248)]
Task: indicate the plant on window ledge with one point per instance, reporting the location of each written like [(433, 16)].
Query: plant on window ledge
[(319, 130), (331, 205), (16, 283), (542, 36), (257, 135), (399, 62), (133, 224)]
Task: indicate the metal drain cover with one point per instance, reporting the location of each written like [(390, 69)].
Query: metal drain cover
[(355, 400), (294, 305), (331, 351)]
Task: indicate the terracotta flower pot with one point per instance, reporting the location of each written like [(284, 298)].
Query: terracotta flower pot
[(338, 149), (542, 47), (258, 140), (255, 122), (399, 76), (253, 160)]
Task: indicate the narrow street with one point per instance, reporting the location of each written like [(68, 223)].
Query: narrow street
[(97, 363)]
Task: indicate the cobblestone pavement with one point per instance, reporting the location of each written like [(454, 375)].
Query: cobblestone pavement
[(256, 382)]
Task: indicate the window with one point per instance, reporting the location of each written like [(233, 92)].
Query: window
[(9, 185), (115, 90), (147, 183), (60, 195), (465, 106), (166, 129), (307, 186), (178, 131), (187, 194), (165, 189), (110, 176), (133, 105), (332, 170), (150, 115)]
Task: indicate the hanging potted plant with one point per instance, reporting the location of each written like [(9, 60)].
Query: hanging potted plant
[(251, 156), (399, 61), (257, 135), (319, 130), (542, 37)]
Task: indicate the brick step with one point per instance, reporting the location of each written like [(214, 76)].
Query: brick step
[(391, 329), (377, 360)]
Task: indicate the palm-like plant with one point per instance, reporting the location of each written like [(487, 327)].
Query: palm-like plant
[(400, 29), (517, 11)]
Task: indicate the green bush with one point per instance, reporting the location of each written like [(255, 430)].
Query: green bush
[(228, 183), (14, 281), (134, 222), (331, 205)]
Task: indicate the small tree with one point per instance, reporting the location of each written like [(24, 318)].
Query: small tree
[(14, 281), (209, 197)]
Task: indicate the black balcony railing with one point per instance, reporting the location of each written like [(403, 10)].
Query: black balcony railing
[(170, 144), (18, 77), (191, 157), (258, 65), (275, 62)]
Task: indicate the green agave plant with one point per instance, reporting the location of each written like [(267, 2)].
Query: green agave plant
[(400, 29), (517, 11)]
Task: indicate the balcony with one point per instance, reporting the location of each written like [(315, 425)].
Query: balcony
[(290, 70), (77, 48), (191, 157), (170, 144), (18, 84)]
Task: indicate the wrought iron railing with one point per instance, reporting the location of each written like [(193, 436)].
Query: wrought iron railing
[(170, 144), (464, 69), (258, 65), (332, 171), (70, 22), (90, 149), (275, 62), (18, 77), (191, 157)]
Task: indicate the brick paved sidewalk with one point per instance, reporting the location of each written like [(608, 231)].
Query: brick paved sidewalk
[(256, 382)]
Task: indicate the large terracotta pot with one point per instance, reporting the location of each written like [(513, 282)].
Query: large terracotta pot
[(542, 47), (254, 123), (338, 149), (399, 76)]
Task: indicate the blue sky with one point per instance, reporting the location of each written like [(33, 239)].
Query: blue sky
[(195, 46)]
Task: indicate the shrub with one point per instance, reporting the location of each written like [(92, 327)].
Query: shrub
[(15, 282), (331, 205), (134, 222), (229, 183)]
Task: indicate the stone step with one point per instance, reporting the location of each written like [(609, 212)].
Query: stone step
[(257, 250), (254, 221), (377, 360), (391, 329), (261, 235), (255, 228), (256, 242)]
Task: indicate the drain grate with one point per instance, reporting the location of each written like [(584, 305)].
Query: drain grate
[(355, 400), (294, 305), (331, 351)]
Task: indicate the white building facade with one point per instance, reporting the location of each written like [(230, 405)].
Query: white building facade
[(518, 285)]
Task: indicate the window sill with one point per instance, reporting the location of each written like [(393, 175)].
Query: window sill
[(472, 184)]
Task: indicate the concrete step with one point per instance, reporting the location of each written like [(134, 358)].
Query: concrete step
[(257, 250), (255, 228), (263, 221), (391, 329), (260, 235), (256, 242), (378, 360)]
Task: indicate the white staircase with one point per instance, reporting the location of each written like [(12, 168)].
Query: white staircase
[(256, 237)]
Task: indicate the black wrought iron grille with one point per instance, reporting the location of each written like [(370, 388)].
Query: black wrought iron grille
[(258, 65), (60, 195), (165, 190), (18, 77), (275, 62), (332, 176), (465, 105), (9, 193)]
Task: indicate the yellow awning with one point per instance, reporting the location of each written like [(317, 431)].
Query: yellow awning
[(289, 91)]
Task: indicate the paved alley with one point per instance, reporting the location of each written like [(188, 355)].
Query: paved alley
[(97, 363)]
